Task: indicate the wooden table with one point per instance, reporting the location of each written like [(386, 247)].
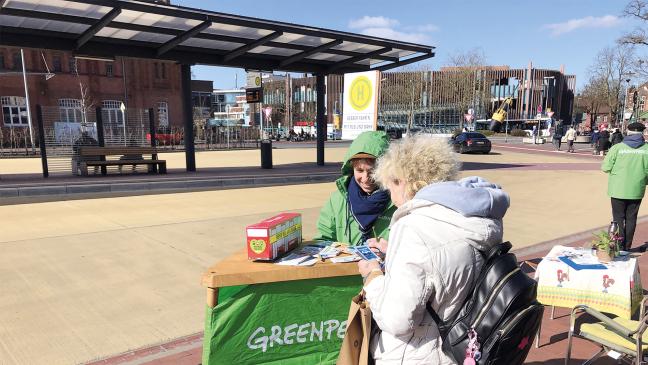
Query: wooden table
[(295, 297)]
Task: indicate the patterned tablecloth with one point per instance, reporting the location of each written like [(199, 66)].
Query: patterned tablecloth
[(616, 289)]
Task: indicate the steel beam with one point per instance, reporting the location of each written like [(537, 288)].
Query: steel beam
[(172, 43), (244, 49), (404, 62), (94, 29), (353, 60), (302, 55)]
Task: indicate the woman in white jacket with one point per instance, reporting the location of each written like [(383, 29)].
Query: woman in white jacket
[(434, 251)]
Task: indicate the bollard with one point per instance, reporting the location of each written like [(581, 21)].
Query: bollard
[(266, 154)]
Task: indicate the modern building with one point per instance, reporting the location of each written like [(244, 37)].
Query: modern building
[(434, 100), (230, 108)]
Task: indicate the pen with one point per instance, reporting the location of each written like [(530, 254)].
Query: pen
[(305, 259)]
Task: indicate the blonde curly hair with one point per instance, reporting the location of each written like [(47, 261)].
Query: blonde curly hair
[(418, 161)]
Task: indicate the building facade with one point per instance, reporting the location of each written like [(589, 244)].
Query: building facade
[(432, 99), (70, 86)]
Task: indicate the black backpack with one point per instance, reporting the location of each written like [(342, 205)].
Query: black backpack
[(502, 309)]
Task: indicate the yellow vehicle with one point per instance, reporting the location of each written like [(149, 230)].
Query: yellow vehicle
[(500, 114)]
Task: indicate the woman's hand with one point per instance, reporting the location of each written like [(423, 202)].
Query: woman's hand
[(378, 243), (366, 267)]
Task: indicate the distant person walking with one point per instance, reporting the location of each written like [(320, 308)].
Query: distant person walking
[(616, 137), (627, 167), (603, 141), (571, 137), (594, 141), (557, 136)]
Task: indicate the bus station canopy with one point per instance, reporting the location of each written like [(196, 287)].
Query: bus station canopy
[(143, 29)]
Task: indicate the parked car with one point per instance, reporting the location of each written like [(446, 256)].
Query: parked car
[(470, 142)]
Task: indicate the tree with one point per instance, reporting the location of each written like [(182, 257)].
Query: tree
[(462, 82), (592, 98), (401, 93), (637, 9), (611, 66)]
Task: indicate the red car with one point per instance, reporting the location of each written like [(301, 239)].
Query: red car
[(166, 137)]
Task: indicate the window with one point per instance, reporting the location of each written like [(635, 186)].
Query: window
[(17, 61), (2, 61), (163, 70), (70, 110), (156, 67), (109, 69), (14, 111), (112, 112), (56, 63), (72, 66), (163, 114)]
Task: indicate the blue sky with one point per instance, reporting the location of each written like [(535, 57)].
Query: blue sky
[(548, 32)]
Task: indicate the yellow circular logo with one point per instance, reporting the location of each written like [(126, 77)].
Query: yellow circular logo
[(257, 246), (257, 81), (360, 93)]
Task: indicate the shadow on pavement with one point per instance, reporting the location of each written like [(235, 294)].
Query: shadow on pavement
[(468, 166)]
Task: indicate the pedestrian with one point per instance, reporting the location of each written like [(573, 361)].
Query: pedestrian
[(627, 167), (571, 136), (603, 141), (616, 137), (594, 141), (438, 239), (358, 211), (557, 136)]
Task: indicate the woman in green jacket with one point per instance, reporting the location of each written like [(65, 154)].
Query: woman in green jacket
[(357, 210)]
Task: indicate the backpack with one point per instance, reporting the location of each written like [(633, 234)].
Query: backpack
[(502, 309)]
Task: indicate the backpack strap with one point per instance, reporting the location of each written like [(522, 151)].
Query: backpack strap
[(444, 327)]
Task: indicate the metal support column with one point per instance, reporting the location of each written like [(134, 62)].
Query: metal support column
[(100, 137), (321, 118), (41, 140), (151, 116), (187, 114)]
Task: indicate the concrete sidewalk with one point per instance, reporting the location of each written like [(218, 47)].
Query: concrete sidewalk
[(88, 279)]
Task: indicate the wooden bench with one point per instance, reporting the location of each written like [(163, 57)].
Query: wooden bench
[(96, 157)]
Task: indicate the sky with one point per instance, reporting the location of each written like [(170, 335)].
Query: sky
[(549, 33)]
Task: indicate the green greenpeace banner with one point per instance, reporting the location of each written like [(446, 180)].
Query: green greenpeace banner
[(292, 322)]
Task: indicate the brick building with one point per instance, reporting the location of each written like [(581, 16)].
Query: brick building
[(138, 83)]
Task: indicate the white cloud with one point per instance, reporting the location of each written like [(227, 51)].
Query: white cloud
[(373, 22), (390, 33), (606, 21), (426, 28), (384, 27)]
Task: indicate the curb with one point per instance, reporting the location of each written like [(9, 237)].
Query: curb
[(67, 191)]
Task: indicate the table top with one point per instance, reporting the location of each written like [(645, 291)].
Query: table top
[(238, 270)]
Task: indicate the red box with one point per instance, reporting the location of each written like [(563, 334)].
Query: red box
[(274, 236)]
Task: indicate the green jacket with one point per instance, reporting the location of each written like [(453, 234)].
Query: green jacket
[(628, 171), (336, 223)]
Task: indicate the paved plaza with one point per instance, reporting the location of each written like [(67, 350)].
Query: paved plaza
[(94, 279)]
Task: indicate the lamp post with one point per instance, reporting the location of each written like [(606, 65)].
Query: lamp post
[(122, 107), (625, 101)]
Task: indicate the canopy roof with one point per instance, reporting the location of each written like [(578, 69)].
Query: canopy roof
[(142, 29)]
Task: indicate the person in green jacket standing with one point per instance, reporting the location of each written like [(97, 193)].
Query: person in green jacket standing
[(357, 210), (627, 166)]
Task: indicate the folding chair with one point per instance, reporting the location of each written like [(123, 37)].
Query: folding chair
[(621, 335)]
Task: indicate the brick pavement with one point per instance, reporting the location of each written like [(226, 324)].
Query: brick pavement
[(553, 340)]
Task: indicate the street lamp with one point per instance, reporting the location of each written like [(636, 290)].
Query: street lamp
[(625, 101)]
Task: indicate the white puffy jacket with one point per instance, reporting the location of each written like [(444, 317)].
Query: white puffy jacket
[(432, 255)]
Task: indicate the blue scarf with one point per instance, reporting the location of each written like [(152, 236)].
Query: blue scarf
[(366, 208)]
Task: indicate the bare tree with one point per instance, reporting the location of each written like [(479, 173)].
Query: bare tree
[(592, 98), (611, 66), (461, 81), (86, 99), (401, 93)]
